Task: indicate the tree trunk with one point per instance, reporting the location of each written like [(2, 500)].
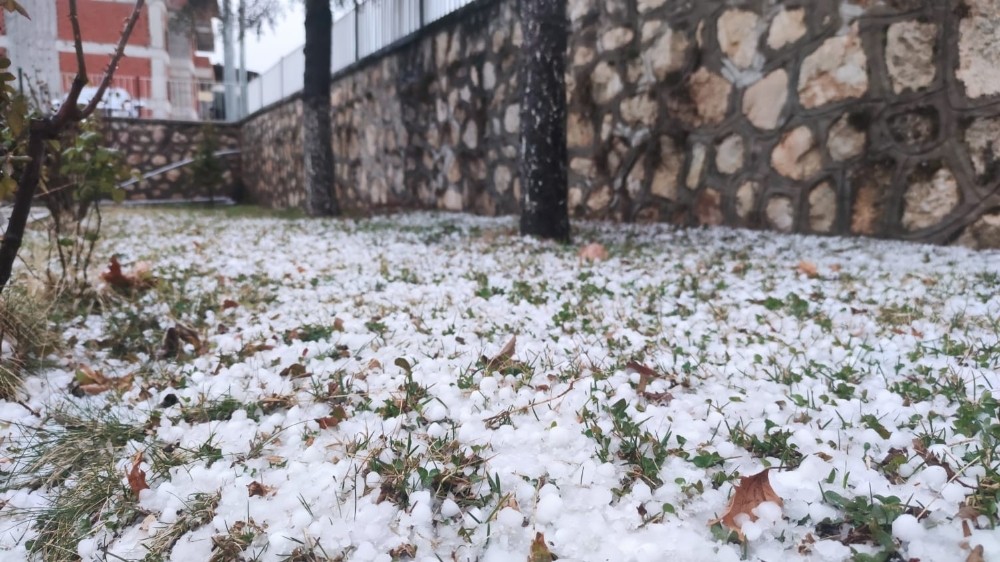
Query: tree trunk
[(542, 165), (316, 132)]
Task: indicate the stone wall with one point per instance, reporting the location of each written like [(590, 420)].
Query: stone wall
[(435, 124), (151, 144), (872, 117), (271, 143)]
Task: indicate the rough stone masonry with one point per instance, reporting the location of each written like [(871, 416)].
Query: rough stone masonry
[(872, 117)]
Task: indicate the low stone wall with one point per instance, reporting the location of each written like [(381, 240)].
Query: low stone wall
[(151, 144), (874, 118), (871, 118), (434, 124), (272, 156)]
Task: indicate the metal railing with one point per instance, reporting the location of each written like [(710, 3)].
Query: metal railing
[(363, 30), (135, 96)]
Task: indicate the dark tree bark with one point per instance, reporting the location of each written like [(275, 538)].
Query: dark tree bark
[(316, 131), (542, 165)]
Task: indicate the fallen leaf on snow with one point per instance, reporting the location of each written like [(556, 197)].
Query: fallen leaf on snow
[(749, 493), (539, 550), (505, 355), (93, 382), (173, 338), (593, 252), (294, 371), (255, 488), (403, 551), (977, 554), (229, 303), (139, 279), (333, 420), (808, 269), (137, 476)]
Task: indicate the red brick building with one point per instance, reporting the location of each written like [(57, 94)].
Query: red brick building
[(161, 72)]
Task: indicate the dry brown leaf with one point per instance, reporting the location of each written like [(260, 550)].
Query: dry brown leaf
[(374, 364), (255, 347), (505, 355), (294, 371), (255, 488), (749, 493), (173, 338), (229, 303), (140, 278), (93, 382), (645, 375), (539, 550), (333, 420), (977, 554), (137, 476), (808, 269), (338, 325), (403, 551), (593, 252)]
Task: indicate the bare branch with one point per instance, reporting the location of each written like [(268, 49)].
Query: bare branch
[(81, 63), (113, 65), (68, 110)]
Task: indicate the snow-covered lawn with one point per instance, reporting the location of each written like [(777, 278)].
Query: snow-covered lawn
[(345, 397)]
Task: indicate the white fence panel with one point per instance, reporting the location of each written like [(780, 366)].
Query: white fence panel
[(293, 72), (254, 93), (437, 9), (343, 43), (271, 85)]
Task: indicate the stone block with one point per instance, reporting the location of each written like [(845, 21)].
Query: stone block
[(667, 54), (982, 138), (822, 207), (606, 83), (929, 198), (984, 233), (708, 208), (738, 32), (909, 55), (667, 172), (870, 185), (797, 156), (780, 213), (915, 129), (640, 110), (616, 38), (579, 131), (710, 94), (696, 166), (979, 51), (729, 154), (764, 101), (837, 70), (844, 141), (746, 198), (787, 27)]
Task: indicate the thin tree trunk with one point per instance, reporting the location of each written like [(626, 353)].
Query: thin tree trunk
[(316, 131), (27, 185), (542, 166)]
